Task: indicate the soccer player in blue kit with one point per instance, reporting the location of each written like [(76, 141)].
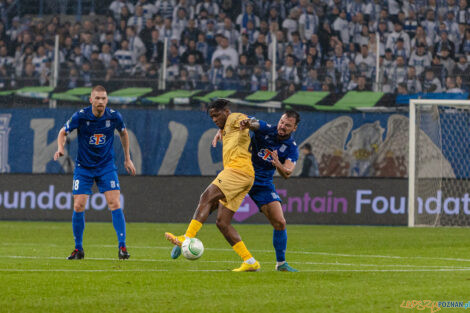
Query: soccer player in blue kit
[(95, 162), (273, 148)]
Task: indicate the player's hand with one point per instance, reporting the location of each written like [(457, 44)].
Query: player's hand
[(217, 137), (245, 123), (275, 160), (58, 154), (130, 168)]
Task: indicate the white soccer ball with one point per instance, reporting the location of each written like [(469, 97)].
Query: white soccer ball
[(192, 248)]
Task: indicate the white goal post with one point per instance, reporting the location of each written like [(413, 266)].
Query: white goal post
[(438, 171)]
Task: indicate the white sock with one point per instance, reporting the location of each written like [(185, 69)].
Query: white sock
[(280, 263), (251, 261)]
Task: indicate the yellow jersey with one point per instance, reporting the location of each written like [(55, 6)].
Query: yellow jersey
[(236, 145)]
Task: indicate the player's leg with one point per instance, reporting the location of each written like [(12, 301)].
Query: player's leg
[(207, 203), (81, 190), (108, 183), (224, 223), (194, 226), (273, 212)]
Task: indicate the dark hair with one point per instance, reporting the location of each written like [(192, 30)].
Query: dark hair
[(218, 104), (307, 146), (294, 114)]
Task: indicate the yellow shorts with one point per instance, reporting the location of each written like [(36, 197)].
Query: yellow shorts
[(235, 185)]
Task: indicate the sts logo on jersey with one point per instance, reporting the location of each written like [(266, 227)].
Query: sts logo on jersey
[(97, 139), (265, 154)]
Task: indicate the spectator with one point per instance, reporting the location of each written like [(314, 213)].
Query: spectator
[(451, 86), (400, 50), (245, 17), (117, 5), (136, 46), (193, 68), (146, 33), (365, 61), (231, 81), (311, 82), (420, 59), (446, 60), (462, 68), (290, 24), (105, 56), (85, 75), (362, 84), (73, 79), (308, 23), (154, 49), (431, 83), (225, 53), (148, 8), (210, 6), (288, 72), (141, 68), (229, 32), (444, 43), (125, 57), (244, 72), (29, 77), (413, 85), (395, 35), (40, 60), (341, 26), (165, 8), (399, 72), (216, 73), (190, 32), (138, 20), (259, 80)]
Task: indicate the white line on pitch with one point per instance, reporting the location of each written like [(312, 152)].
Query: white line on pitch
[(228, 261), (267, 251), (198, 270)]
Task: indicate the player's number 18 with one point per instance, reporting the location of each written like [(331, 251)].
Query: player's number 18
[(75, 184)]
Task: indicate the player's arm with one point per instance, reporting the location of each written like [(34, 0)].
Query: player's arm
[(251, 123), (285, 169), (128, 164), (217, 137), (61, 138)]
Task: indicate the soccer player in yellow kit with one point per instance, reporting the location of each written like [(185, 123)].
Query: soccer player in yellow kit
[(229, 188)]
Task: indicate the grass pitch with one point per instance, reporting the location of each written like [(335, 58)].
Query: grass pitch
[(342, 269)]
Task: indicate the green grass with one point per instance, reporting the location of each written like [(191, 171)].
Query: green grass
[(342, 269)]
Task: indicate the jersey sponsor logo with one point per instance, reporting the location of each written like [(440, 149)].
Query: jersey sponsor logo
[(283, 148), (108, 123), (266, 155), (97, 139), (87, 123)]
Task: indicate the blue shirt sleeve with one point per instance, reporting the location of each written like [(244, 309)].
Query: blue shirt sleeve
[(72, 123), (264, 127), (293, 155), (120, 126)]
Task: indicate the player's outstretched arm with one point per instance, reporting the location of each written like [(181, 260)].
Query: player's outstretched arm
[(217, 137), (285, 169), (60, 144), (251, 123), (128, 164)]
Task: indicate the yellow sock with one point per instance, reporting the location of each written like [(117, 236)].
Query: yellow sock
[(242, 251), (193, 228)]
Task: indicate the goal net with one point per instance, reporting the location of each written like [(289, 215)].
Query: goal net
[(439, 163)]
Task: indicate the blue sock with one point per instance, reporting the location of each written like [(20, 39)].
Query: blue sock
[(280, 244), (78, 226), (119, 224)]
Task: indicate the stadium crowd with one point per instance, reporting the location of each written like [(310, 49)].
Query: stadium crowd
[(328, 45)]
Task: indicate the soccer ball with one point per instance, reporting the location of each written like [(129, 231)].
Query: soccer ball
[(192, 248)]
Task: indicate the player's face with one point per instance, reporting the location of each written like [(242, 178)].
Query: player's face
[(286, 126), (99, 100), (219, 117)]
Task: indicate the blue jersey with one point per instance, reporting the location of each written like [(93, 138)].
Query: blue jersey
[(263, 143), (95, 136)]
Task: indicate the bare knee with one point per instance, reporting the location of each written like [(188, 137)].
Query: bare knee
[(114, 204), (279, 223), (79, 207)]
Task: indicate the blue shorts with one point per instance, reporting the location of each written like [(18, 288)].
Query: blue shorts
[(262, 195), (83, 178)]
